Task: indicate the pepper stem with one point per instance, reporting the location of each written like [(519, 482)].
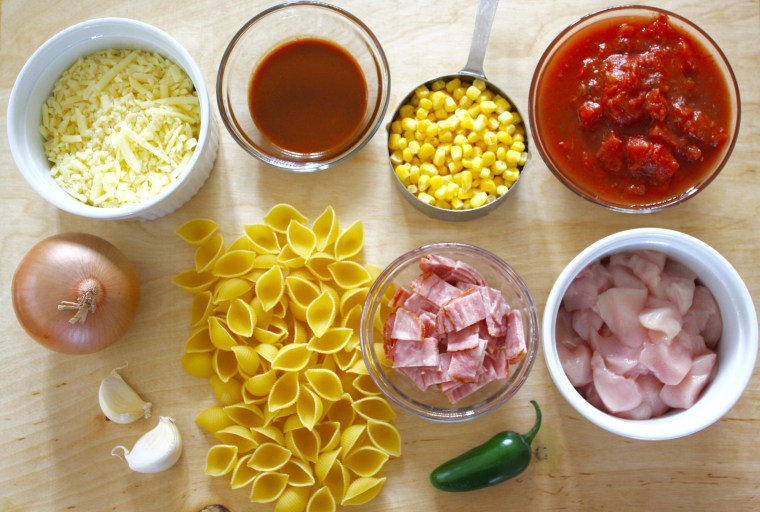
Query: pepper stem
[(533, 431), (87, 300)]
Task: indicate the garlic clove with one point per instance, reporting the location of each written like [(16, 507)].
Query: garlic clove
[(157, 450), (119, 402)]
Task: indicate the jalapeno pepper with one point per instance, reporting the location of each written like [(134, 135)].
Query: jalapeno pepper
[(502, 457)]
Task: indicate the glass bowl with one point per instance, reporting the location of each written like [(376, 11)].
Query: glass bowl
[(271, 30), (432, 404), (36, 80), (555, 121), (736, 350)]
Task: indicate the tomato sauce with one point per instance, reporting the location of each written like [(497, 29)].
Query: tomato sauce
[(634, 110), (308, 96)]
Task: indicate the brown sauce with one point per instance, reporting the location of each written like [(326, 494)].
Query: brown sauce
[(308, 96)]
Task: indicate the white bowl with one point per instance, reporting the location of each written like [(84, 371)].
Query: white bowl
[(35, 82), (737, 349)]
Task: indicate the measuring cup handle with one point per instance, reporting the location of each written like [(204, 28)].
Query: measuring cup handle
[(480, 35)]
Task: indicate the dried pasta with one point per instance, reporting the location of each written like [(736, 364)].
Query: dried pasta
[(274, 328)]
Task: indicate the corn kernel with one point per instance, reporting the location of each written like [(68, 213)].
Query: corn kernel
[(474, 136), (421, 113), (502, 105), (445, 136), (412, 189), (426, 151), (518, 136), (506, 118), (456, 151), (393, 139), (414, 173), (422, 91), (465, 182), (467, 151), (455, 167), (396, 127), (499, 167), (440, 114), (453, 84), (478, 199), (489, 158), (426, 198), (490, 138), (437, 85), (428, 169), (523, 159), (439, 158), (440, 193), (480, 123), (397, 157), (432, 130), (511, 175), (449, 104), (464, 102), (458, 93), (422, 183), (472, 92), (457, 204), (513, 157), (518, 146), (487, 106), (402, 172), (477, 164), (501, 190), (484, 173), (479, 84), (426, 103), (504, 137), (409, 124), (437, 99)]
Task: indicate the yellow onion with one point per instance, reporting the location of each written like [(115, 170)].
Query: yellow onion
[(75, 293)]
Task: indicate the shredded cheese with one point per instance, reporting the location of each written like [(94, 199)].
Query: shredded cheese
[(120, 126)]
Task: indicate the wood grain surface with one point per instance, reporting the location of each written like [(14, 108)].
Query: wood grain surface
[(54, 442)]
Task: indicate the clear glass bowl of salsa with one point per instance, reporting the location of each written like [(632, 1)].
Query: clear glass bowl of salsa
[(303, 86), (634, 108)]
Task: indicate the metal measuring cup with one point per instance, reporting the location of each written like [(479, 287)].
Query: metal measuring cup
[(473, 69)]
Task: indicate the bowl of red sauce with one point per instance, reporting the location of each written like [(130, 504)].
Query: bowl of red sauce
[(303, 86), (634, 108)]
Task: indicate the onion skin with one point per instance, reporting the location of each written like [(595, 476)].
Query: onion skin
[(54, 271)]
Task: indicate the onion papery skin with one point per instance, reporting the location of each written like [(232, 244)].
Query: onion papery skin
[(53, 271)]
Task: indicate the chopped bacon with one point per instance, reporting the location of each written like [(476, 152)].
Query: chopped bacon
[(452, 331)]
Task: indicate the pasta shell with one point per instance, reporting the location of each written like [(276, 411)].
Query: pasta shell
[(329, 435), (303, 443), (234, 263), (267, 434), (237, 435), (337, 480), (293, 357), (207, 253), (309, 408), (243, 243), (320, 314), (349, 274), (197, 231), (318, 265), (224, 364), (325, 383), (351, 437), (279, 217), (301, 240), (231, 288), (326, 228), (262, 238), (365, 385), (201, 309), (301, 290), (366, 460), (342, 411), (321, 500), (374, 408), (268, 486), (198, 364), (325, 462), (384, 436), (259, 385), (284, 392), (242, 474), (220, 336), (350, 241), (247, 359), (270, 287), (269, 457), (199, 341), (269, 336), (292, 421), (333, 340), (345, 359), (299, 333), (220, 459), (247, 415), (263, 317), (194, 282), (362, 490), (227, 393), (213, 418), (351, 299), (294, 499), (267, 352), (241, 319), (299, 473), (290, 259)]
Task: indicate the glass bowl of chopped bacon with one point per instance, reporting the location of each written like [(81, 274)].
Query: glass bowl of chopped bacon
[(111, 119), (650, 334), (449, 332), (634, 108)]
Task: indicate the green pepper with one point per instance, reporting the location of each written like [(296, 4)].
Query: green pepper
[(504, 456)]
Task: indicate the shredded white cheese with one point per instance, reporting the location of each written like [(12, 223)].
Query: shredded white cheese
[(119, 126)]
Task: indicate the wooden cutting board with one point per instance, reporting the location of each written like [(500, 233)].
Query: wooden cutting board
[(54, 443)]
